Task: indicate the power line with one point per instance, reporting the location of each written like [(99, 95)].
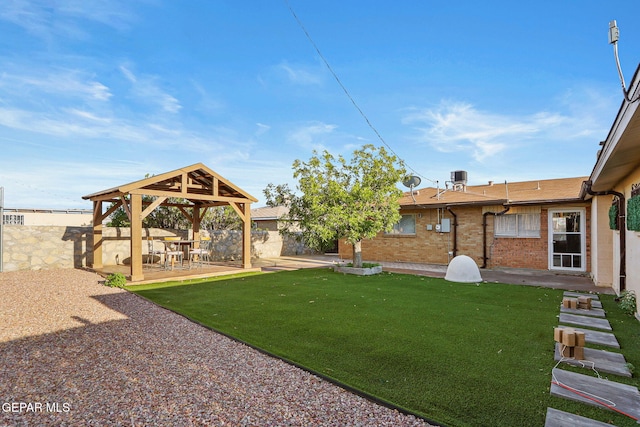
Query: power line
[(344, 89)]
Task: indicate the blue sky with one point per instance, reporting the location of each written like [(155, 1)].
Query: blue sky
[(94, 94)]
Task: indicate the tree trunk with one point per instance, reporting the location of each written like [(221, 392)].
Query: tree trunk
[(357, 254)]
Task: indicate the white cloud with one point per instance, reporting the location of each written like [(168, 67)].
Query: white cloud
[(262, 129), (89, 116), (48, 20), (61, 184), (460, 127), (63, 83), (301, 74), (208, 103), (311, 135), (147, 90)]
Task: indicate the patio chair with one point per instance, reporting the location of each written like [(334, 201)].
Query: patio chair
[(172, 252), (201, 253), (152, 252)]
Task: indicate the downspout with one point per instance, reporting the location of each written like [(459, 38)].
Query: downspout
[(484, 233), (455, 231), (621, 226)]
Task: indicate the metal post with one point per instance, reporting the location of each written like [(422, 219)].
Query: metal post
[(1, 224)]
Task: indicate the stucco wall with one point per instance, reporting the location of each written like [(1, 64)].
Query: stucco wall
[(632, 242), (602, 242)]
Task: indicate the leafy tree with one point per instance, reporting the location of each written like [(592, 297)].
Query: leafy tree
[(221, 218), (118, 218), (170, 217), (160, 217), (353, 200)]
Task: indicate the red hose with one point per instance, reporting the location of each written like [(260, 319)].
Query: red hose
[(613, 408)]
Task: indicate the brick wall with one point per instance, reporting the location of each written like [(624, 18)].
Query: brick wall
[(431, 247), (427, 246), (528, 252)]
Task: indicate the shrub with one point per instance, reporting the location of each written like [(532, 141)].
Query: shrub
[(115, 280), (633, 214), (364, 265), (627, 302), (613, 216)]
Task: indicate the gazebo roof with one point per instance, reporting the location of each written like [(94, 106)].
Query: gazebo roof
[(198, 189), (196, 183)]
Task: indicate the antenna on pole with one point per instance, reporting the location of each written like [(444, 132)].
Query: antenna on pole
[(614, 36)]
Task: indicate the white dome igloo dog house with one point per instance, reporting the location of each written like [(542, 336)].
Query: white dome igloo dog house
[(463, 269)]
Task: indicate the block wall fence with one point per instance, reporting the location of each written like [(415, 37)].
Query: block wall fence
[(50, 247)]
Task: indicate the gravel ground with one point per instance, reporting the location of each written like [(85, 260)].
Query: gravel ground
[(74, 352)]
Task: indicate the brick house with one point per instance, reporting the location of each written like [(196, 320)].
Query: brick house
[(533, 224)]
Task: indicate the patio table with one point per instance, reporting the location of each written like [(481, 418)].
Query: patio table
[(185, 244)]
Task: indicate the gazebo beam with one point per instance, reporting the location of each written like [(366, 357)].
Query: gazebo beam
[(157, 202), (109, 211), (193, 197), (126, 207), (186, 214)]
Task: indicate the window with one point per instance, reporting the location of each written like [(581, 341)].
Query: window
[(13, 219), (517, 225), (406, 226)]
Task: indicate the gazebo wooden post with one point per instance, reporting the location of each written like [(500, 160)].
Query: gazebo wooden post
[(97, 234), (246, 236), (196, 224), (136, 238)]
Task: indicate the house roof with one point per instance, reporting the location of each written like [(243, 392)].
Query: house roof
[(196, 183), (620, 154), (520, 193), (268, 213)]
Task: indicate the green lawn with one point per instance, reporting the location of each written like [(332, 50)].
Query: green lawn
[(457, 354)]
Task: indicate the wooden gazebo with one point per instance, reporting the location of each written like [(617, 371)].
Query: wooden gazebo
[(199, 186)]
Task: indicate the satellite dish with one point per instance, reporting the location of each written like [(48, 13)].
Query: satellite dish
[(411, 181)]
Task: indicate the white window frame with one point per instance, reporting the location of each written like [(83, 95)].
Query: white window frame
[(583, 239), (515, 227)]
